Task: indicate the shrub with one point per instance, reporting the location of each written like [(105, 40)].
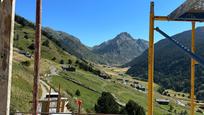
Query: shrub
[(54, 58), (183, 95), (165, 93), (161, 90), (62, 61), (26, 36), (46, 43), (171, 108), (69, 61), (26, 63), (31, 47), (107, 104), (77, 93), (132, 108)]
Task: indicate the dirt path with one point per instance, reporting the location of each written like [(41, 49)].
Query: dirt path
[(45, 88)]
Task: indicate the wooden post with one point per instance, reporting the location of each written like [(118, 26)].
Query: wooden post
[(62, 107), (7, 11), (58, 101), (151, 61), (48, 102), (37, 55), (192, 110)]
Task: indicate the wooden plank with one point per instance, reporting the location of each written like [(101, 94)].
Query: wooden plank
[(7, 9), (186, 7)]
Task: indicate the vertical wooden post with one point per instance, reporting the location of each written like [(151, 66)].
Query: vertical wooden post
[(58, 101), (193, 71), (151, 61), (62, 107), (48, 102), (37, 55), (7, 13)]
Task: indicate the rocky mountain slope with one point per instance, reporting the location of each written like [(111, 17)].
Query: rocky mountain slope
[(122, 49)]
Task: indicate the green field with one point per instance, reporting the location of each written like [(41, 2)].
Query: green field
[(121, 92)]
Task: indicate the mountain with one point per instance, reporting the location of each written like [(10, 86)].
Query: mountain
[(172, 65), (68, 42), (122, 49), (72, 45)]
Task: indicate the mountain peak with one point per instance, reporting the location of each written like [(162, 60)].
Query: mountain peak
[(124, 36), (122, 49)]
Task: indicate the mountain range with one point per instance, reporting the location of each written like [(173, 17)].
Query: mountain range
[(118, 51), (172, 65)]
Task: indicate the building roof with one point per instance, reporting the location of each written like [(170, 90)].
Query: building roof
[(191, 10), (162, 100)]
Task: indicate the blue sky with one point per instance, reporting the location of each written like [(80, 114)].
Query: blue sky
[(96, 21)]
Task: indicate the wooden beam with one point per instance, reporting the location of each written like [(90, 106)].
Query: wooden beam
[(7, 9), (192, 110), (38, 35), (166, 18), (151, 62)]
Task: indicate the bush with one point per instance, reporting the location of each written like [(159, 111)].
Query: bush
[(46, 43), (183, 95), (107, 104), (54, 58), (133, 108), (62, 61), (26, 36), (70, 68), (171, 108), (31, 47), (165, 93), (69, 61), (26, 63), (77, 93), (161, 90)]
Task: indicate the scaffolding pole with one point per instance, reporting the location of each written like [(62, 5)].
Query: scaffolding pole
[(193, 71), (151, 61), (7, 12), (37, 55)]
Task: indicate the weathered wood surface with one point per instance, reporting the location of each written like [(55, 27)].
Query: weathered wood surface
[(189, 6), (7, 8)]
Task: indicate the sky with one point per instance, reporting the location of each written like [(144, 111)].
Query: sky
[(96, 21)]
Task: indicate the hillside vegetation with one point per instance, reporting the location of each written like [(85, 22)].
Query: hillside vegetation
[(23, 74), (172, 66)]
